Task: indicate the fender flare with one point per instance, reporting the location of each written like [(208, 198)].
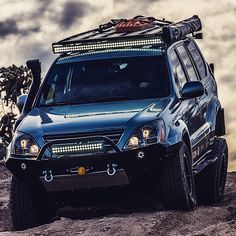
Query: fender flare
[(179, 132), (215, 116)]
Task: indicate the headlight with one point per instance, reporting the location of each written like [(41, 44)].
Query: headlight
[(24, 145), (133, 141), (148, 134)]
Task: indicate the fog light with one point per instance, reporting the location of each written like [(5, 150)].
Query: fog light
[(133, 141), (140, 155), (81, 171), (23, 166)]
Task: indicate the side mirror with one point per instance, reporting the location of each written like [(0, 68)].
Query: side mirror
[(192, 89), (212, 67), (21, 102)]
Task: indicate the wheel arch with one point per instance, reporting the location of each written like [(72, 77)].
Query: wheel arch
[(186, 139), (220, 123), (178, 133)]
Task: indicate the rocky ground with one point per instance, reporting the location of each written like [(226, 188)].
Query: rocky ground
[(122, 212)]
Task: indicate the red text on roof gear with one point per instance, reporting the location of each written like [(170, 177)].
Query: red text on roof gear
[(134, 25)]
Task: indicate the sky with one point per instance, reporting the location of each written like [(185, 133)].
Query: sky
[(29, 27)]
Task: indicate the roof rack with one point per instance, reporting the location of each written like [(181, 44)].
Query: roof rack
[(134, 33)]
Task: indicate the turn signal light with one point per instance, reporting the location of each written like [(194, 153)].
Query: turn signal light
[(81, 171)]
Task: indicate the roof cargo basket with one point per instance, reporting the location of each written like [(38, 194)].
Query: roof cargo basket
[(134, 33)]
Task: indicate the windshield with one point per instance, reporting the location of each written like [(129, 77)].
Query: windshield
[(106, 80)]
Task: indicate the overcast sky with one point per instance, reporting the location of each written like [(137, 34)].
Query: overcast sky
[(28, 28)]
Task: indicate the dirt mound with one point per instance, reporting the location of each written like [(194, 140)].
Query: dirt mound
[(122, 212)]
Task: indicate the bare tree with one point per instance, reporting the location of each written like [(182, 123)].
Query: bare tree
[(14, 81)]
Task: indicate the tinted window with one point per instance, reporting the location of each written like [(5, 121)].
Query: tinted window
[(106, 80), (187, 63), (197, 59), (178, 71)]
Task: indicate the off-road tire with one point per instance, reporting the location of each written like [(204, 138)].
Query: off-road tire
[(28, 204), (210, 182), (177, 181)]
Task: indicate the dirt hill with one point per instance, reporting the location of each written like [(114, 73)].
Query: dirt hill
[(129, 213)]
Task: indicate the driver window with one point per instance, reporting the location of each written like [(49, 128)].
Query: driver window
[(180, 78)]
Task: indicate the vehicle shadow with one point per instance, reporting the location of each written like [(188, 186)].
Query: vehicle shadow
[(113, 201)]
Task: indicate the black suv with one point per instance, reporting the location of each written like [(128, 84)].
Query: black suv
[(131, 102)]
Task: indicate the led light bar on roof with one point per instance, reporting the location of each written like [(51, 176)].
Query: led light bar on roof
[(60, 48)]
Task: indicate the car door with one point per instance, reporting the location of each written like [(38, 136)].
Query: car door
[(198, 119), (188, 110), (194, 56), (209, 84)]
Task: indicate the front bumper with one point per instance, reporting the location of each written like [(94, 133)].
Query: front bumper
[(91, 180), (64, 170)]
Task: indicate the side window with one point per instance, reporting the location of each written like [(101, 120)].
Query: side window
[(187, 63), (197, 59), (180, 78)]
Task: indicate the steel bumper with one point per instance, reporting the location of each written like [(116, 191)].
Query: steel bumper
[(91, 180), (64, 172)]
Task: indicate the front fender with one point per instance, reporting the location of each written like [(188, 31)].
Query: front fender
[(176, 132)]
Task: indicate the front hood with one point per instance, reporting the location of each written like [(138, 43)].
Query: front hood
[(91, 117)]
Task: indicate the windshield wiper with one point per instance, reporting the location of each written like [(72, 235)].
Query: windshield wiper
[(120, 98), (113, 99), (60, 104)]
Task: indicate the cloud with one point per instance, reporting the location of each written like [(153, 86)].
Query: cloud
[(73, 11), (10, 26), (35, 49), (41, 9)]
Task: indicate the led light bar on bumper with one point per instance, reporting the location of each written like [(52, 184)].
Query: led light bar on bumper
[(148, 134), (76, 148), (80, 47)]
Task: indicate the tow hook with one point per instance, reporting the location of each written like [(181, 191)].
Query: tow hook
[(48, 177), (111, 169)]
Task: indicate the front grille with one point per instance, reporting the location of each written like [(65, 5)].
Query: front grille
[(91, 143), (113, 135)]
